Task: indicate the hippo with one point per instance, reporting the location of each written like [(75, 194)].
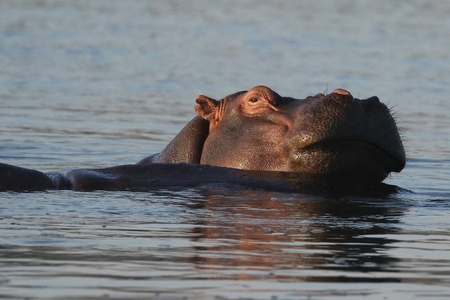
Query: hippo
[(254, 138)]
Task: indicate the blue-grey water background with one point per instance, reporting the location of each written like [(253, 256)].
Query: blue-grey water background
[(102, 83)]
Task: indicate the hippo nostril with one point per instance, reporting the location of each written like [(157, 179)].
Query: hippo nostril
[(374, 99), (342, 92)]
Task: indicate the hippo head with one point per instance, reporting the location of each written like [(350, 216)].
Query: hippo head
[(333, 135)]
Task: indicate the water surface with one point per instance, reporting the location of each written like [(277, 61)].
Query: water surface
[(96, 84)]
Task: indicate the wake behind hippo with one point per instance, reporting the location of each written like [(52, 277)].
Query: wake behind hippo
[(254, 138)]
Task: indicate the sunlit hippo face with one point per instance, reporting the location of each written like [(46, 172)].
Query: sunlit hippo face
[(333, 135)]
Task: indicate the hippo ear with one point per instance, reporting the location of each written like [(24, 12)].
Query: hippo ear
[(206, 107)]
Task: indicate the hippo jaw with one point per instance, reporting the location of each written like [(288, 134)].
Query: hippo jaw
[(347, 159)]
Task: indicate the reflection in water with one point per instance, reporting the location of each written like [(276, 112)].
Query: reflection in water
[(205, 242), (260, 232)]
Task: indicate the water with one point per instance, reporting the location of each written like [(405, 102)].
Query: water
[(96, 84)]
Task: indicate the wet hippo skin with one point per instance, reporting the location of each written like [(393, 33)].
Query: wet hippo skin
[(254, 138)]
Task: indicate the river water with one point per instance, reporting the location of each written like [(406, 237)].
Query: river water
[(102, 83)]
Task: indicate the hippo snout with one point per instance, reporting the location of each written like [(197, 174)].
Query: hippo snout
[(338, 130)]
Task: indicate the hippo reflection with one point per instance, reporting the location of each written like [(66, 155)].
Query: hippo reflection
[(254, 137), (286, 237)]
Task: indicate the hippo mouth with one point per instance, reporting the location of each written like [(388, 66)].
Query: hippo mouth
[(361, 157), (396, 157)]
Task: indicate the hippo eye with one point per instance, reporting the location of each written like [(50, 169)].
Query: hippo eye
[(254, 100)]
